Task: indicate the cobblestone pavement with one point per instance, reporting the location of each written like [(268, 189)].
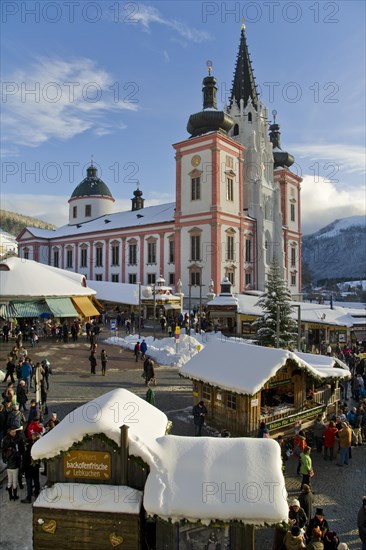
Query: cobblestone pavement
[(337, 490)]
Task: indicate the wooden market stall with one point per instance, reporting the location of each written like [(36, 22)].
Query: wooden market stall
[(243, 385)]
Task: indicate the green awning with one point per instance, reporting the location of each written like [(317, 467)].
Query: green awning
[(31, 309), (62, 307), (7, 311)]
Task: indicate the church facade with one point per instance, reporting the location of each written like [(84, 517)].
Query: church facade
[(237, 208)]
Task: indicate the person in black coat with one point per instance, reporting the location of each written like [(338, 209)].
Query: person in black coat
[(10, 369), (31, 470), (93, 363), (12, 458), (306, 499), (199, 412), (22, 397)]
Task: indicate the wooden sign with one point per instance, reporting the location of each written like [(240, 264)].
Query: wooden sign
[(87, 465)]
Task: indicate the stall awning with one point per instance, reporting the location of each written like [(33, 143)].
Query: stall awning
[(97, 303), (171, 306), (31, 309), (84, 306), (61, 307), (7, 311)]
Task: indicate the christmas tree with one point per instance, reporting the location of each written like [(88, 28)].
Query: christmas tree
[(277, 306)]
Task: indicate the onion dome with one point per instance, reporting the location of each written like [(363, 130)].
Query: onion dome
[(91, 186), (281, 158), (210, 119), (137, 201)]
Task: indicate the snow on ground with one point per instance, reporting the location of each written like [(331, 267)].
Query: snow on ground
[(163, 350)]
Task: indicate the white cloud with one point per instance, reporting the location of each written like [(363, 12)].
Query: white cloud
[(350, 158), (166, 56), (69, 98), (147, 15), (322, 203)]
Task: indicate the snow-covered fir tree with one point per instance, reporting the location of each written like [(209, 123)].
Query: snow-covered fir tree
[(276, 296)]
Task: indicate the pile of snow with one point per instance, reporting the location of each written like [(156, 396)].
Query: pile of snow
[(106, 414), (2, 376), (163, 351)]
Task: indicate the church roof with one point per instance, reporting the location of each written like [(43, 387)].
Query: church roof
[(91, 186), (160, 213), (244, 86)]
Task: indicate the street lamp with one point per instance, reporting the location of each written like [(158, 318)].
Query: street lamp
[(154, 291), (139, 310), (298, 326)]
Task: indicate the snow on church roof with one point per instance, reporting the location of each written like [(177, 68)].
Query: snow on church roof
[(245, 368), (106, 414), (209, 478), (160, 213)]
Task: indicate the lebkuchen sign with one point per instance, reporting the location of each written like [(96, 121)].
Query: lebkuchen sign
[(87, 465)]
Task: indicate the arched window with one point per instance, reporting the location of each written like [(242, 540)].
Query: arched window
[(249, 117), (236, 130)]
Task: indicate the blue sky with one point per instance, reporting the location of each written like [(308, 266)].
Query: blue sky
[(118, 80)]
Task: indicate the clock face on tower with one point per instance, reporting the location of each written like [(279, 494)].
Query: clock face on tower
[(196, 159)]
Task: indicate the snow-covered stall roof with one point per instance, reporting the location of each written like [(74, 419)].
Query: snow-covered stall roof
[(245, 368), (106, 414), (101, 498), (121, 293), (27, 279), (210, 479), (310, 312)]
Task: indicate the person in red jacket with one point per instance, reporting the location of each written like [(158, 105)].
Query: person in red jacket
[(299, 445), (330, 434), (35, 427)]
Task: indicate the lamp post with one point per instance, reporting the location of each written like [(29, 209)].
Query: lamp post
[(154, 291), (139, 310), (298, 326)]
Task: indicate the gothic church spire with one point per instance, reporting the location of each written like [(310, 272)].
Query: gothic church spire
[(243, 86)]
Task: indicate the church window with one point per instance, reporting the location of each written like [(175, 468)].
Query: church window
[(171, 251), (229, 162), (171, 279), (230, 255), (229, 189), (69, 258), (293, 279), (231, 276), (132, 278), (195, 278), (74, 211), (195, 247), (56, 258), (236, 130), (248, 279), (115, 278), (195, 189), (151, 278), (248, 250), (151, 253), (115, 254), (132, 254), (249, 117), (88, 210), (293, 257), (84, 257), (292, 212), (99, 256)]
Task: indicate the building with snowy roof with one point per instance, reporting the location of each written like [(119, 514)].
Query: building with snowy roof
[(237, 207), (111, 466)]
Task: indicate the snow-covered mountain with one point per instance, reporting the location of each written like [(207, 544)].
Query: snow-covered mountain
[(337, 250)]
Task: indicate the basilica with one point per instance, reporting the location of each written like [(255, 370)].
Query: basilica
[(237, 207)]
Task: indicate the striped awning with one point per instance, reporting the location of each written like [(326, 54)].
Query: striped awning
[(62, 307), (7, 311), (31, 309), (84, 306)]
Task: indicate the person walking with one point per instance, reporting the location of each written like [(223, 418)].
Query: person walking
[(103, 359), (330, 434), (199, 414), (306, 467), (306, 500), (361, 523), (299, 445), (31, 470), (22, 397), (319, 429), (93, 362), (136, 351), (317, 521), (143, 349), (345, 441)]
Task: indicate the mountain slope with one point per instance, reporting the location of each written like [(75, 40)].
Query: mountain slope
[(13, 222), (337, 250)]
